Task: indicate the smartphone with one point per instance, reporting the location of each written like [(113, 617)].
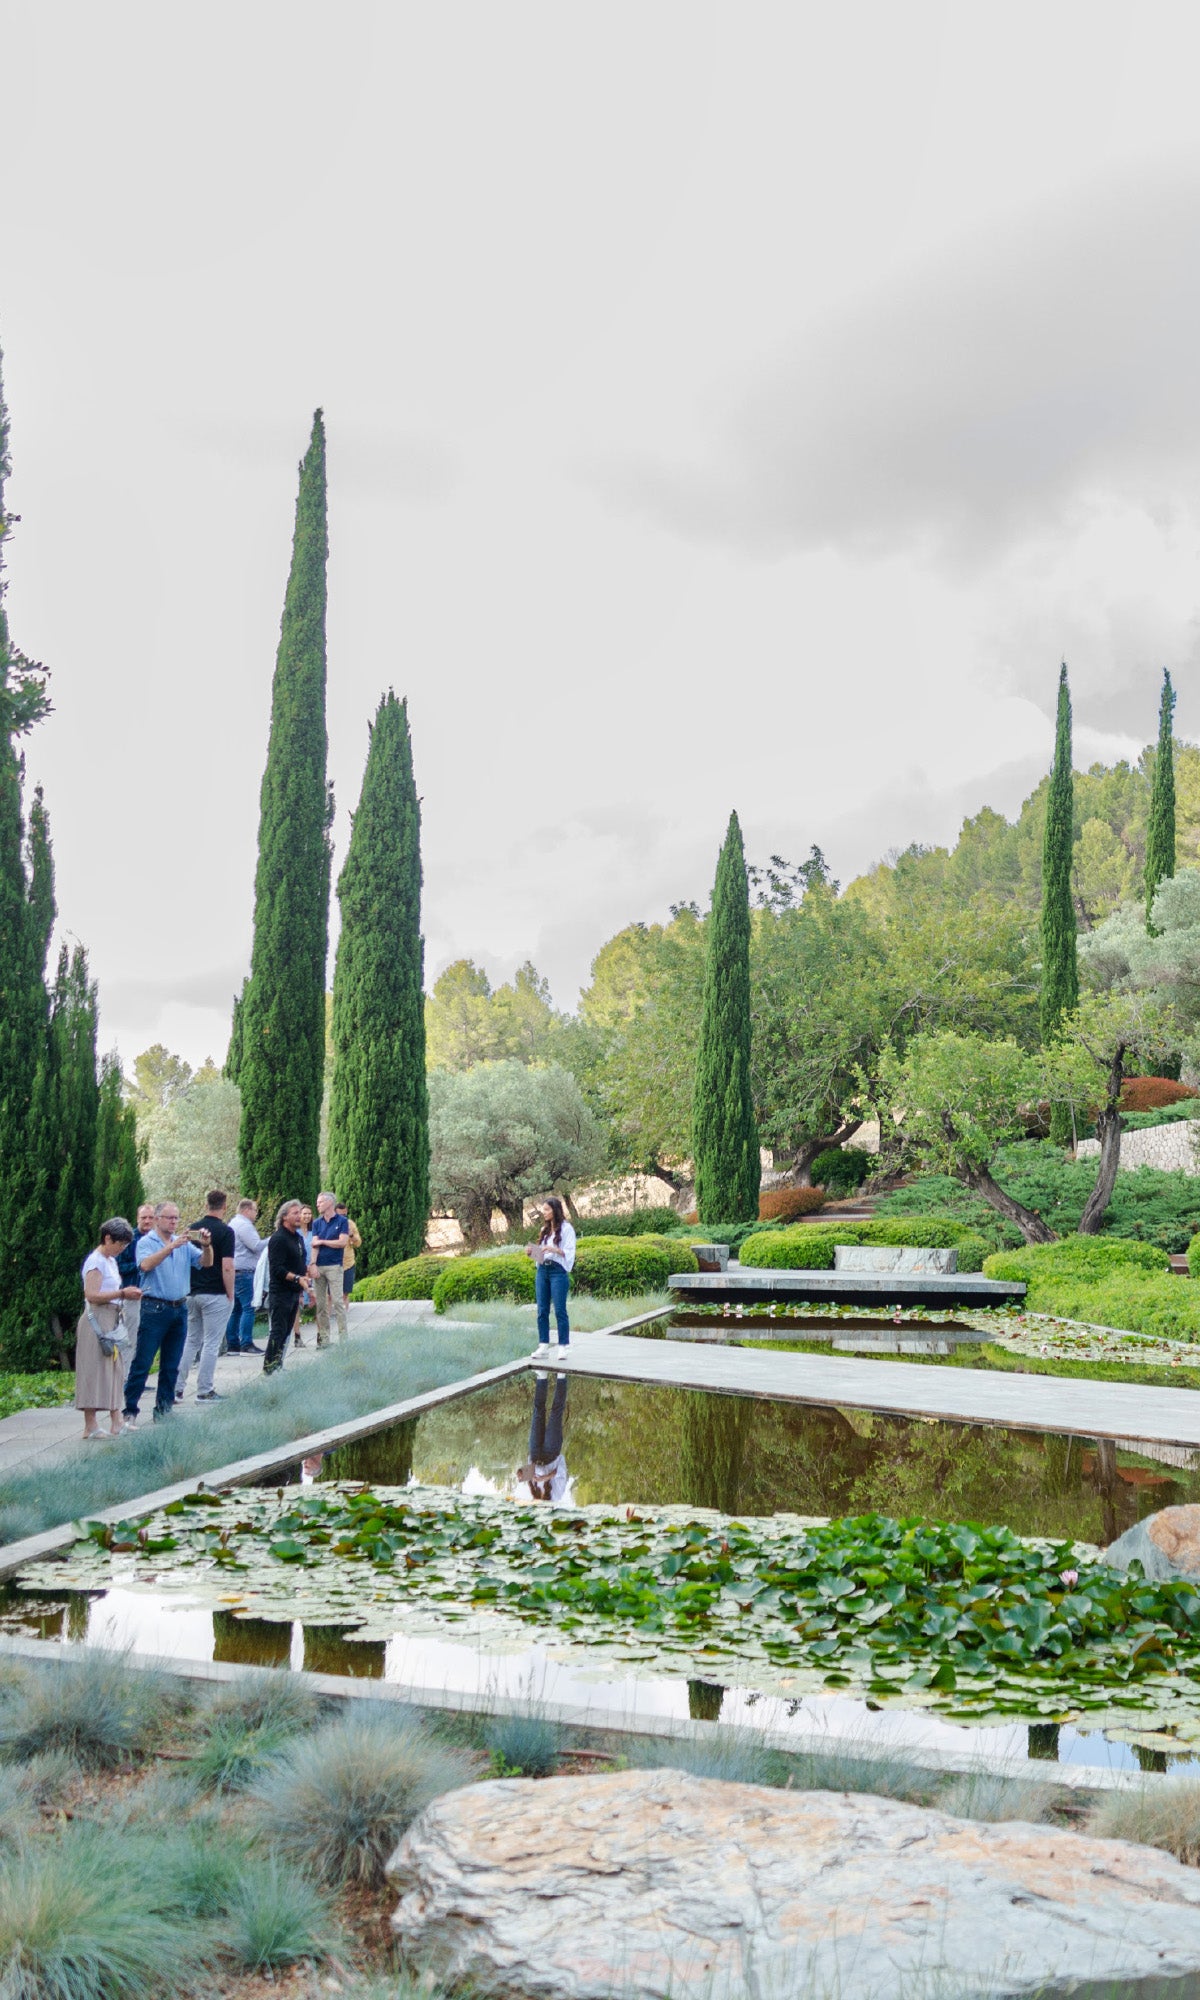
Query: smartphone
[(196, 1236)]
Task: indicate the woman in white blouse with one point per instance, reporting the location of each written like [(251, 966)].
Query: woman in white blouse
[(554, 1254), (100, 1378)]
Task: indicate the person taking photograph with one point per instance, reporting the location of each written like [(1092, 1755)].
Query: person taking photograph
[(554, 1255), (100, 1377)]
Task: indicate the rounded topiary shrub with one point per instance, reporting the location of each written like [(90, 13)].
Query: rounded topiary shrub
[(839, 1170), (784, 1204), (1092, 1258), (811, 1248), (1149, 1093), (616, 1267), (469, 1279), (414, 1279)]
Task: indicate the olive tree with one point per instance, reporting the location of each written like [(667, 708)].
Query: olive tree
[(503, 1132)]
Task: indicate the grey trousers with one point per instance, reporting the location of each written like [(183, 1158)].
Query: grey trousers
[(328, 1291), (208, 1316)]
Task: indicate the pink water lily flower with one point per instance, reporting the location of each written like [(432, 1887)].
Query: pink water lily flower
[(1070, 1577)]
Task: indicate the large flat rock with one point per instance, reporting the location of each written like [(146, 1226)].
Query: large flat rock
[(655, 1885)]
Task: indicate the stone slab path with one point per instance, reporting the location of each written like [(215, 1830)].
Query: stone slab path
[(31, 1435), (963, 1395)]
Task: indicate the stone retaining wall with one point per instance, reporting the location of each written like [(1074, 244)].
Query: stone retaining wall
[(1171, 1147)]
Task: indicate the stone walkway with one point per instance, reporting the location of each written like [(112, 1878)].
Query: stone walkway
[(964, 1395), (40, 1434)]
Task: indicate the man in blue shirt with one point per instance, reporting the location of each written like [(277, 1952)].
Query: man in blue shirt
[(330, 1235), (166, 1257)]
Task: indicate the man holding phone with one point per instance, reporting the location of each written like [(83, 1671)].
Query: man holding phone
[(166, 1258)]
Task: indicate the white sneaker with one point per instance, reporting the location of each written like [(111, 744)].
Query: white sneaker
[(541, 1352)]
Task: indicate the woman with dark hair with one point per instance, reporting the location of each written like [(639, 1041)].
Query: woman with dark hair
[(100, 1375), (554, 1255)]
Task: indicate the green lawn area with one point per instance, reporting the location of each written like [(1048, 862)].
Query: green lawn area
[(35, 1392)]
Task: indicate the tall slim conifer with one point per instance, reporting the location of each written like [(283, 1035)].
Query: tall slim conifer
[(120, 1188), (724, 1127), (379, 1106), (1160, 828), (1060, 973), (281, 1017)]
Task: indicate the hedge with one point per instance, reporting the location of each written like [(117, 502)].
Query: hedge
[(636, 1222), (414, 1279), (785, 1203), (1107, 1281), (811, 1248), (605, 1267), (1147, 1093)]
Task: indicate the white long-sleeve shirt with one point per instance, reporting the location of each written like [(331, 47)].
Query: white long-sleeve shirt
[(564, 1255)]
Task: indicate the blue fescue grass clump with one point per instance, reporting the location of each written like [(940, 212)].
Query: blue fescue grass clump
[(94, 1709), (276, 1916), (78, 1921), (340, 1798), (365, 1373), (523, 1746)]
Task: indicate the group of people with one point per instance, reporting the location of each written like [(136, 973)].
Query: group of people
[(181, 1296)]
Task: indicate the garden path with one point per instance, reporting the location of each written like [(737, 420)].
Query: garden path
[(964, 1395), (31, 1435)]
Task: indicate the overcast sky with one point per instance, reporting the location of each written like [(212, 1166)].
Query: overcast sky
[(728, 405)]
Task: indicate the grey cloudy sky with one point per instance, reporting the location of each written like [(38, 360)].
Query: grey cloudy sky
[(728, 404)]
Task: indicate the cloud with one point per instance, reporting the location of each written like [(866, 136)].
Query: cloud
[(964, 408)]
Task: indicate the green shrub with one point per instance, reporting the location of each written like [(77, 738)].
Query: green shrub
[(811, 1247), (838, 1171), (1089, 1257), (276, 1916), (606, 1267), (1106, 1281), (414, 1279), (1167, 1114), (1193, 1256), (509, 1276), (733, 1234), (1148, 1205)]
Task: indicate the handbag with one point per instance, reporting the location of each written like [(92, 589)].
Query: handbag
[(116, 1342)]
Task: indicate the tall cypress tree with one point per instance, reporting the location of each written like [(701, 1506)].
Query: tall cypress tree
[(281, 1018), (1060, 973), (120, 1189), (379, 1107), (1160, 829), (724, 1127)]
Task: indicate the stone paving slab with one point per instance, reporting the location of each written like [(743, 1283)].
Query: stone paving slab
[(962, 1395)]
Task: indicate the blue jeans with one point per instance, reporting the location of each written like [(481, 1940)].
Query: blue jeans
[(550, 1287), (239, 1334), (163, 1326)]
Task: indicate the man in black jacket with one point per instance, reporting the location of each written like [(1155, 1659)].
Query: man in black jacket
[(287, 1280)]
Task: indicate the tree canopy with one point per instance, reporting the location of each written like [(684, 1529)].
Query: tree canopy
[(504, 1132)]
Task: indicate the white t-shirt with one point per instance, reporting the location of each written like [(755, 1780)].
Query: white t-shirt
[(110, 1277), (564, 1256)]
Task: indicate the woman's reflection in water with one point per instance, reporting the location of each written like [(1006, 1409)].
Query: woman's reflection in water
[(544, 1477)]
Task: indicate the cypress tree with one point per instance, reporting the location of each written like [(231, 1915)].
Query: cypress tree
[(1160, 829), (1060, 974), (379, 1106), (281, 1020), (724, 1127), (120, 1189)]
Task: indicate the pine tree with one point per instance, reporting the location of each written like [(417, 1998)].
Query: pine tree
[(724, 1127), (379, 1108), (1060, 974), (281, 1020), (120, 1189), (1160, 829)]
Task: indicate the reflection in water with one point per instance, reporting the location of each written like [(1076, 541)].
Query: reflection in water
[(385, 1458), (704, 1700), (327, 1650), (544, 1474), (251, 1642)]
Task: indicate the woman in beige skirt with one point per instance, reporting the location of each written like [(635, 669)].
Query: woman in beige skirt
[(100, 1382)]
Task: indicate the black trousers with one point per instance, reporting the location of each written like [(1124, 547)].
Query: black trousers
[(281, 1317)]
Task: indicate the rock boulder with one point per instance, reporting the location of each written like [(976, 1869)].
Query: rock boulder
[(646, 1884), (1167, 1545)]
